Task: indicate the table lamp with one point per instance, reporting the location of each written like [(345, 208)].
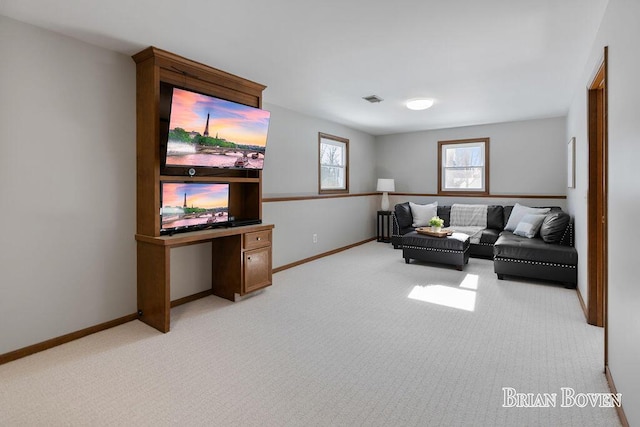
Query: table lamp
[(385, 185)]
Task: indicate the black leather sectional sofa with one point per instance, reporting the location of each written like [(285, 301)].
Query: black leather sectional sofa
[(550, 255)]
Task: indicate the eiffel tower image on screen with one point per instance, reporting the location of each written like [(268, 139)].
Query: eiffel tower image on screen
[(206, 127)]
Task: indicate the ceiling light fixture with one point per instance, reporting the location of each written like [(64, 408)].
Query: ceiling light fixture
[(419, 103)]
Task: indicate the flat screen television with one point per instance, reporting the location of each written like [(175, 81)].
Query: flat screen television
[(189, 206), (208, 132)]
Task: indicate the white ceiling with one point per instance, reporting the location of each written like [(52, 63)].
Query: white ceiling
[(481, 61)]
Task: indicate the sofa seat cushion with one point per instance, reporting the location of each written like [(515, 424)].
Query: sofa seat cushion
[(474, 233), (511, 246), (489, 236)]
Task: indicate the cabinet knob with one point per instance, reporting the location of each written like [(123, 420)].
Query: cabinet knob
[(259, 238)]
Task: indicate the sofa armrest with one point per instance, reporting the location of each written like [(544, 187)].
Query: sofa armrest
[(567, 237), (395, 228)]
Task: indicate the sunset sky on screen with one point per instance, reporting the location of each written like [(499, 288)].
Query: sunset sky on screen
[(205, 196), (234, 122)]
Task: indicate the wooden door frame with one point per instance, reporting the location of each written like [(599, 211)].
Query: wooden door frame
[(597, 251)]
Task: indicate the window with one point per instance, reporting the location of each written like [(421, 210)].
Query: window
[(334, 164), (463, 166)]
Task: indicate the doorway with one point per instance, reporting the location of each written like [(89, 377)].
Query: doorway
[(597, 199)]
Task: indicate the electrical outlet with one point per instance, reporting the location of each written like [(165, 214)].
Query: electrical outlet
[(315, 238)]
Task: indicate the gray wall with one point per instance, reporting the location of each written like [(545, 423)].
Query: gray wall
[(67, 185), (291, 161), (527, 157), (619, 31), (291, 169)]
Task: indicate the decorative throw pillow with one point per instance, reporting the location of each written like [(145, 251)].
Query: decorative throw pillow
[(529, 225), (423, 213), (519, 211), (554, 226)]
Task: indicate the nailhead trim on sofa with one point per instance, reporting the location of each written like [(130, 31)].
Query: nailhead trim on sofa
[(522, 261), (434, 249)]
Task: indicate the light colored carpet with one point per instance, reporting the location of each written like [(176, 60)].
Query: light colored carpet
[(334, 342)]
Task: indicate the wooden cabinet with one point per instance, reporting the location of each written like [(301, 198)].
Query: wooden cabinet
[(235, 270), (242, 263), (257, 261), (241, 256)]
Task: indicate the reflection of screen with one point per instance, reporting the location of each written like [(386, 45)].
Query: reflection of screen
[(212, 132), (192, 205)]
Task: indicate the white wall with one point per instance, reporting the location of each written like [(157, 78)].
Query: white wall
[(291, 169), (527, 157), (67, 185), (619, 30)]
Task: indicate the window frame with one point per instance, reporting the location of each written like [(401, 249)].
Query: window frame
[(339, 142), (442, 146)]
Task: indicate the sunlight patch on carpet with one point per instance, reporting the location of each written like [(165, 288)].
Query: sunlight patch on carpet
[(462, 299), (470, 281)]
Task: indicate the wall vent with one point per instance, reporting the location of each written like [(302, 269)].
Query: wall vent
[(372, 98)]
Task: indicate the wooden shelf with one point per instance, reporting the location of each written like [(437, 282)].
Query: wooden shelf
[(209, 179), (201, 236), (236, 270)]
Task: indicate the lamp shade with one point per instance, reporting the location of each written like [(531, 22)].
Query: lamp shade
[(386, 185)]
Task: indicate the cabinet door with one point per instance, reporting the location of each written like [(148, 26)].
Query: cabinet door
[(257, 269)]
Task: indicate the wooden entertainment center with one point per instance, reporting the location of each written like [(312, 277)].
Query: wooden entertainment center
[(241, 256)]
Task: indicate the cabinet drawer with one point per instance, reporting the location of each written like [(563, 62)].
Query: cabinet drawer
[(257, 239)]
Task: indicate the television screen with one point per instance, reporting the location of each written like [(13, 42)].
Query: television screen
[(187, 206), (211, 132)]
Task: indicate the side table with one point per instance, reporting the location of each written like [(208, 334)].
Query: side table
[(384, 226)]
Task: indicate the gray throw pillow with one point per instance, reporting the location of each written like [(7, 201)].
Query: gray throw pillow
[(423, 213), (519, 211), (529, 225)]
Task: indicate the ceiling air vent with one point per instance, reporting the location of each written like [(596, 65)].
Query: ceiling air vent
[(372, 98)]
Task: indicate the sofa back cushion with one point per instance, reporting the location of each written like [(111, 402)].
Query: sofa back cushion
[(495, 217), (554, 226), (506, 211), (444, 212), (403, 215)]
